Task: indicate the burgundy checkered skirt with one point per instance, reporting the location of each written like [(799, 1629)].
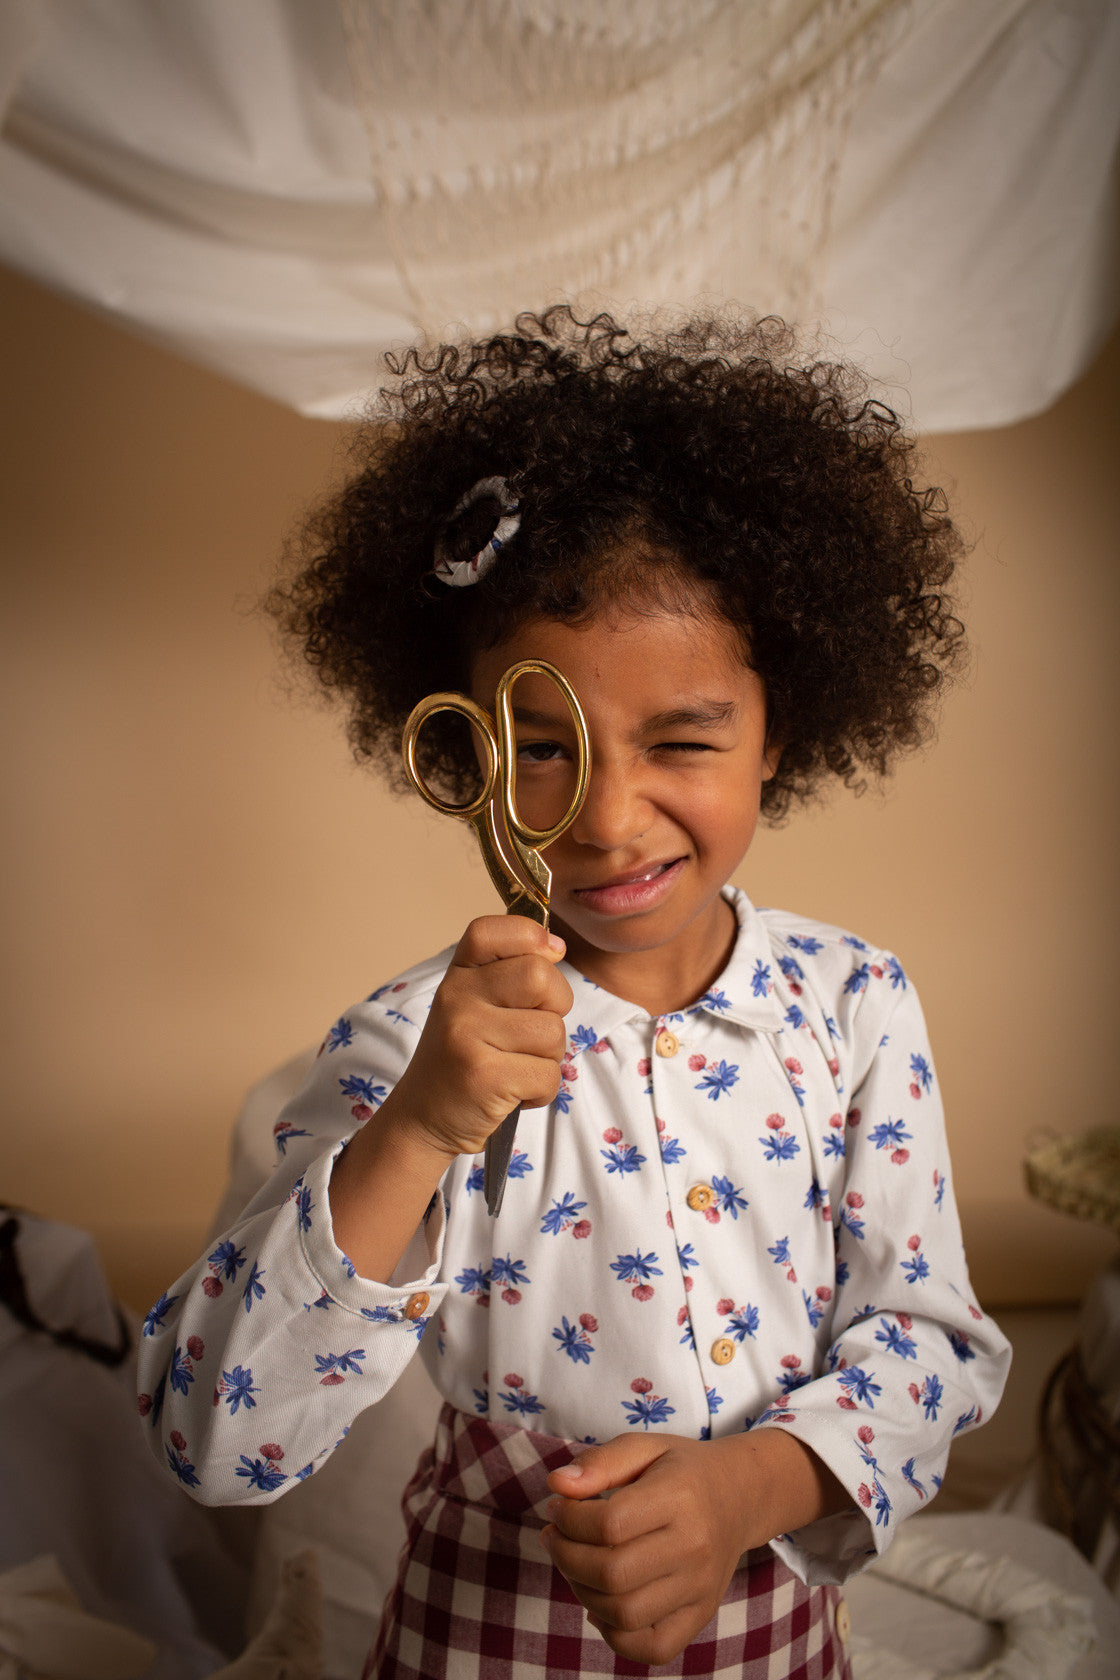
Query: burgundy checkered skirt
[(476, 1595)]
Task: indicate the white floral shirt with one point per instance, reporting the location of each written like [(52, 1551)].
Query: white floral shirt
[(735, 1217)]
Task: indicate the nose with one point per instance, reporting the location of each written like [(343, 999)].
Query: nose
[(616, 811)]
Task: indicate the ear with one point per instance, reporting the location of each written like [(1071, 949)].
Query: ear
[(771, 757)]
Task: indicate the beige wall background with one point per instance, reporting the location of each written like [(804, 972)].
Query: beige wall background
[(198, 878)]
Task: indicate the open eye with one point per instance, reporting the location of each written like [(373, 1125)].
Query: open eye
[(539, 752)]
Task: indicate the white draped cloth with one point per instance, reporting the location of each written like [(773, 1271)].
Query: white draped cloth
[(282, 189)]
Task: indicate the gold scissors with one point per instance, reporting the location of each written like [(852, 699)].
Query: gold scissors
[(522, 898)]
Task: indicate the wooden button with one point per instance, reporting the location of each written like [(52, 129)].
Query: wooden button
[(843, 1622), (417, 1305), (723, 1350), (700, 1197), (666, 1043)]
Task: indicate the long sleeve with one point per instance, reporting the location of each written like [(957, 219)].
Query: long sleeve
[(255, 1362), (912, 1360)]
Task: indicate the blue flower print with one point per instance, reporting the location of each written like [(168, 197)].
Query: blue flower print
[(563, 1099), (718, 1078), (896, 974), (804, 942), (859, 1385), (780, 1253), (882, 1505), (381, 1314), (300, 1194), (938, 1188), (672, 1151), (481, 1400), (155, 1316), (623, 1158), (509, 1271), (761, 983), (932, 1396), (857, 979), (743, 1322), (895, 1337), (779, 1145), (793, 1017), (476, 1179), (321, 1303), (791, 1375), (362, 1090), (833, 1029), (916, 1269), (227, 1260), (922, 1074), (814, 1196), (729, 1197), (813, 1308), (890, 1134), (714, 999), (236, 1389), (908, 1475), (637, 1266), (263, 1473), (686, 1257), (340, 1036), (519, 1164), (959, 1343), (282, 1134), (474, 1280), (648, 1407), (302, 1475), (518, 1399), (850, 1216), (791, 968), (562, 1215), (584, 1038), (715, 1401), (179, 1462), (254, 1288), (181, 1374), (843, 1273), (967, 1419), (575, 1339), (331, 1368), (850, 939), (834, 1146)]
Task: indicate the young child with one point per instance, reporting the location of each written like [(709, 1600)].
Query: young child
[(726, 1285)]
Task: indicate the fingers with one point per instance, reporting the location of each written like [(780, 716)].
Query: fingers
[(659, 1643), (609, 1572), (609, 1464), (489, 938)]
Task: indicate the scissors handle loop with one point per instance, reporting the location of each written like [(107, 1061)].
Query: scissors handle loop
[(507, 752), (465, 707)]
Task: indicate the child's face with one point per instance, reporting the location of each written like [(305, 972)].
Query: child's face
[(677, 725)]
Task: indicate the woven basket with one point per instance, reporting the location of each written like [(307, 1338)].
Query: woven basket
[(1079, 1175)]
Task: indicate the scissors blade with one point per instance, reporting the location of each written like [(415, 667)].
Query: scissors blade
[(499, 1145)]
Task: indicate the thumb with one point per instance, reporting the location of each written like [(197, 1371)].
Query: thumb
[(609, 1465)]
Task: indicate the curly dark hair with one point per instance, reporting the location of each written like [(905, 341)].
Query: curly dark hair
[(707, 453)]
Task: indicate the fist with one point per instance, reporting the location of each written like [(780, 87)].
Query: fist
[(494, 1037)]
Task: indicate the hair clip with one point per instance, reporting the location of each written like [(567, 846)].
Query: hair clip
[(458, 574)]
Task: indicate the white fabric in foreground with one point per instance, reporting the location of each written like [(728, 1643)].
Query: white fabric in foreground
[(281, 190)]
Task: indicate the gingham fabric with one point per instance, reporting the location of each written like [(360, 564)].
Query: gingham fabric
[(477, 1597)]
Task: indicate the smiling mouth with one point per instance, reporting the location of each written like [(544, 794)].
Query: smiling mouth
[(638, 878)]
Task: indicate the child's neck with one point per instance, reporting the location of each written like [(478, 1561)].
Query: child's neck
[(669, 977)]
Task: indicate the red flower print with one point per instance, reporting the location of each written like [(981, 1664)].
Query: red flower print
[(833, 1066), (794, 1065), (696, 1064), (836, 1120), (905, 1321), (644, 1066), (332, 1379), (512, 1296), (795, 988), (688, 1282), (682, 1318), (866, 1433), (846, 1402), (178, 1440), (855, 1115), (975, 1311), (791, 1276), (569, 1071), (914, 1243), (775, 1122), (361, 1111), (854, 1199), (876, 971), (791, 1361), (915, 1393), (612, 1135), (641, 1385), (144, 1402), (589, 1322), (823, 1292), (512, 1380), (915, 1090), (642, 1291), (711, 1214), (581, 1228), (900, 1157), (783, 1417), (600, 1045), (215, 1397), (863, 1493), (196, 1347), (212, 1286), (272, 1451), (725, 1306)]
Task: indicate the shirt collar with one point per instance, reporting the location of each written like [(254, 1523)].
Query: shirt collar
[(743, 993)]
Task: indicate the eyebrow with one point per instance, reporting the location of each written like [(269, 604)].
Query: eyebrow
[(701, 714)]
